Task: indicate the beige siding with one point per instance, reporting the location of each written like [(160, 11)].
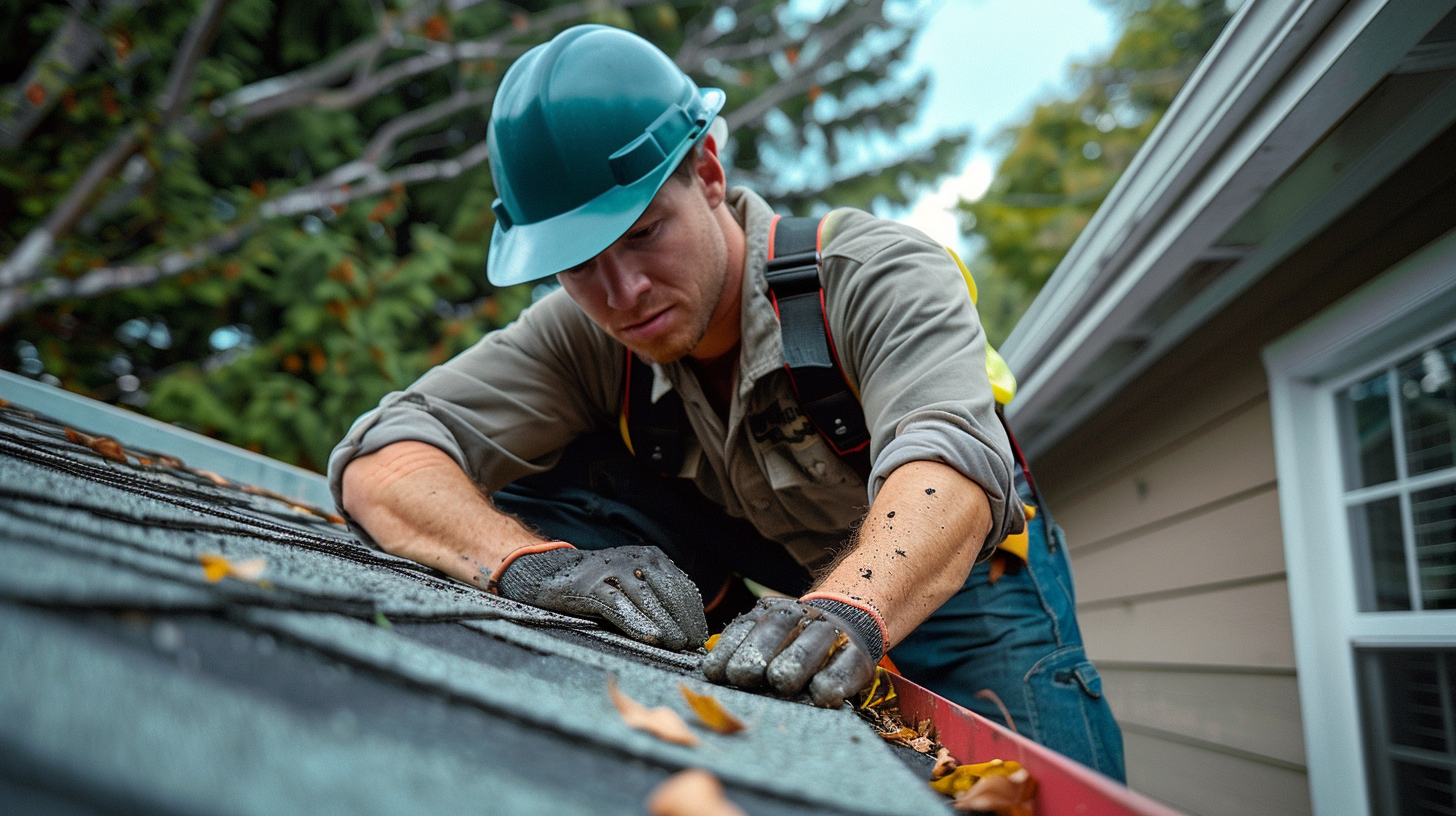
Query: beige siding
[(1172, 516), (1207, 782)]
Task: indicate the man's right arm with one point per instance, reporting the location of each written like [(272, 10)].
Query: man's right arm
[(416, 503)]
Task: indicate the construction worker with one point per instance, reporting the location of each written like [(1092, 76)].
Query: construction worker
[(516, 466)]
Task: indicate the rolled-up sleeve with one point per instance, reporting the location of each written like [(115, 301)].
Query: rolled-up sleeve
[(505, 407), (908, 335)]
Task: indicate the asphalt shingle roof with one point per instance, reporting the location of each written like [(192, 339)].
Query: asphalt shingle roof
[(352, 682)]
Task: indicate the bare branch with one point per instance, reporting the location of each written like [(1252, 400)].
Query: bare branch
[(840, 40), (178, 90), (23, 264), (375, 181), (15, 300), (69, 52)]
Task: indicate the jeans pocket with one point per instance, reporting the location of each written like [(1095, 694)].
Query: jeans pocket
[(1069, 714)]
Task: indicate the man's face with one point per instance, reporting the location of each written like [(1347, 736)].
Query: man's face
[(657, 289)]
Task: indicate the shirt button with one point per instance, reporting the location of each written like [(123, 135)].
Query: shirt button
[(820, 469)]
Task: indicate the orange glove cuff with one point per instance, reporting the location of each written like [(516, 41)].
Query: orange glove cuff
[(529, 549)]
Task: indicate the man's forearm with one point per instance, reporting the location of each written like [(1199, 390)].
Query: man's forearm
[(916, 546), (418, 504)]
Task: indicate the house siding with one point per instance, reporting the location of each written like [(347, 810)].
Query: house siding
[(1182, 599), (1169, 498)]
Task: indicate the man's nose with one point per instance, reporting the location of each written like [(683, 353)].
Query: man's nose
[(625, 282)]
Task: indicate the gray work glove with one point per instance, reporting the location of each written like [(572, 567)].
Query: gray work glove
[(789, 645), (636, 589)]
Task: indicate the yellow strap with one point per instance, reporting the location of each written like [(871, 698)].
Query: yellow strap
[(1016, 544), (1003, 382)]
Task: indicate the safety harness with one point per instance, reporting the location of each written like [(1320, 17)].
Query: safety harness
[(655, 431)]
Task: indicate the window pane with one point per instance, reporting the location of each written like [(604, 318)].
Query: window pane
[(1434, 515), (1428, 400), (1380, 550), (1369, 446), (1424, 791), (1413, 699)]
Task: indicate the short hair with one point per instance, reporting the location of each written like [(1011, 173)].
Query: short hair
[(689, 164)]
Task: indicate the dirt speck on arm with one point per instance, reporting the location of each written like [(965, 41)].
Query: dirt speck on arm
[(930, 491)]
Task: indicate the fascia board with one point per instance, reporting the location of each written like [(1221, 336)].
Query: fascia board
[(1362, 176), (1255, 49), (1353, 53)]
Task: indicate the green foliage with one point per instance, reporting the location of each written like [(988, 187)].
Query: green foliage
[(1060, 165), (279, 336)]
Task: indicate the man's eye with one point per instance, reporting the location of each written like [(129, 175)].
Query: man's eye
[(645, 232)]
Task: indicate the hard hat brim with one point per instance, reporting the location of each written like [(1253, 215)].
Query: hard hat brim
[(528, 252)]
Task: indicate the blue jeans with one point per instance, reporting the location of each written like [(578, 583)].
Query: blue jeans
[(1018, 638)]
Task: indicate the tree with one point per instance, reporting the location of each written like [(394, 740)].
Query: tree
[(1060, 165), (255, 218)]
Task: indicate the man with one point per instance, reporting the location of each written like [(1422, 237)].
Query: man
[(506, 466)]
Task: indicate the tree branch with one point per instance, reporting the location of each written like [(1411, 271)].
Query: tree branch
[(840, 39), (23, 264), (69, 52)]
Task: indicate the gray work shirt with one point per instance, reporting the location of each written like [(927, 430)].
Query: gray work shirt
[(904, 329)]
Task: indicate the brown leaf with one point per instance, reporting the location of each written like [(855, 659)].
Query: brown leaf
[(944, 764), (212, 477), (923, 745), (76, 437), (35, 93), (693, 792), (902, 734), (108, 447), (1005, 795), (711, 712), (663, 723)]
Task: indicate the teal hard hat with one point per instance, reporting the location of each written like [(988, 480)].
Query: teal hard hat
[(585, 130)]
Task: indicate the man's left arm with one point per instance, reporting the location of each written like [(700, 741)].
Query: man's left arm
[(916, 546)]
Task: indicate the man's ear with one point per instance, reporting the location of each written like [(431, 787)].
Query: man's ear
[(710, 172)]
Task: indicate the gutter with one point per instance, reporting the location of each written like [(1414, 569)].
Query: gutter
[(1280, 77)]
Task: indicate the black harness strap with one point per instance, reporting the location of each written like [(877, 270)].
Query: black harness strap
[(809, 357), (655, 431)]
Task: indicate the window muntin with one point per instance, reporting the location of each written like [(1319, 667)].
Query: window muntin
[(1398, 434)]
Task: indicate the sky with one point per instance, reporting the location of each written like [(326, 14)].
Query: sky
[(990, 62)]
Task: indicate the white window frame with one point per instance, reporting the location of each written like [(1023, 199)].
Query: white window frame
[(1387, 319)]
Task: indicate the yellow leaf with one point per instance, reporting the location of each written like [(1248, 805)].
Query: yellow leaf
[(693, 792), (712, 641), (1008, 795), (216, 567), (962, 778), (711, 712), (663, 723), (881, 690), (902, 734)]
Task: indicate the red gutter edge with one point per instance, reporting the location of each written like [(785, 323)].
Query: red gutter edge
[(1065, 787)]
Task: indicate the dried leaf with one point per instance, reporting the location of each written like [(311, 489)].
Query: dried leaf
[(1008, 795), (693, 792), (76, 437), (998, 567), (964, 777), (944, 764), (333, 519), (663, 723), (904, 734), (169, 461), (881, 690), (923, 745), (217, 567), (711, 712), (712, 641), (108, 447), (212, 477)]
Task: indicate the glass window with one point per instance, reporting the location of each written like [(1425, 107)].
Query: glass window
[(1403, 507), (1409, 710)]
